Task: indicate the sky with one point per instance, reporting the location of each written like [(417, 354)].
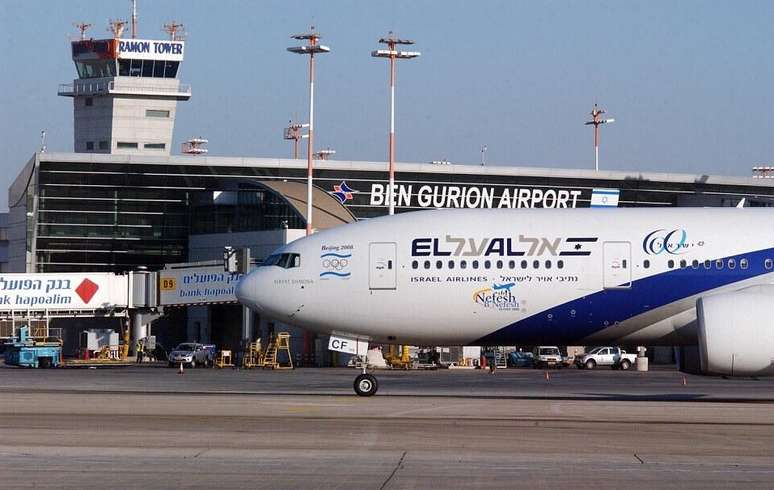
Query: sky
[(689, 83)]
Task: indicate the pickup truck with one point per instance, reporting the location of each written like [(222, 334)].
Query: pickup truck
[(192, 354), (606, 356)]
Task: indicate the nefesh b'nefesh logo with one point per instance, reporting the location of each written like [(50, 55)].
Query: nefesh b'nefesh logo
[(498, 297)]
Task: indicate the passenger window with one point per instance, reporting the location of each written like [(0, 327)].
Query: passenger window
[(536, 264), (732, 263), (463, 264), (523, 264), (548, 264), (743, 263), (671, 264), (451, 264), (560, 264), (438, 264), (487, 264), (474, 264), (511, 264), (624, 264), (708, 264), (414, 264), (499, 264), (719, 264), (683, 264), (646, 263), (427, 264), (768, 264), (695, 264)]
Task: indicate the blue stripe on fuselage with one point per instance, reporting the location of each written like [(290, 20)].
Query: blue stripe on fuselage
[(602, 309)]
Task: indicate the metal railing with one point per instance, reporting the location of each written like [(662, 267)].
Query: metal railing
[(90, 88)]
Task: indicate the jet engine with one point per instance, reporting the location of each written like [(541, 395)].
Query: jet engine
[(736, 332)]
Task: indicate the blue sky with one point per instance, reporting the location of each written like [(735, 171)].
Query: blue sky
[(689, 83)]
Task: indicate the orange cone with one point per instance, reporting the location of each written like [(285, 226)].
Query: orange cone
[(180, 371)]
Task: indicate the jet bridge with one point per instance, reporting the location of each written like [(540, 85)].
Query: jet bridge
[(38, 300)]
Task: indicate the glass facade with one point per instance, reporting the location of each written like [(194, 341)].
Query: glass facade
[(108, 216)]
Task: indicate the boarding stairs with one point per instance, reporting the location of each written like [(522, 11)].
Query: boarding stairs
[(277, 345)]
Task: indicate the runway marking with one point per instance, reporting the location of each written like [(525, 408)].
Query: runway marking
[(638, 459)]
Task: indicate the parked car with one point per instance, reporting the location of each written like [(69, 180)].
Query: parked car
[(606, 356), (520, 359), (191, 354), (546, 356)]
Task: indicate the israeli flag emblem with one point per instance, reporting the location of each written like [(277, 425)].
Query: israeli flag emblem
[(603, 198)]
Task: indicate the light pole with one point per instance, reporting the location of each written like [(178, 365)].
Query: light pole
[(483, 155), (596, 120), (392, 54), (311, 49), (293, 132)]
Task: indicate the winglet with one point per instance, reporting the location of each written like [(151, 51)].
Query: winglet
[(741, 203)]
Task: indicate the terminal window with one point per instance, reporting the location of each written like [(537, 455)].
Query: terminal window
[(89, 145), (103, 145), (156, 113), (89, 101), (155, 146), (126, 144)]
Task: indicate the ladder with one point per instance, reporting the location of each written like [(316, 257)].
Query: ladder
[(276, 345), (501, 360)]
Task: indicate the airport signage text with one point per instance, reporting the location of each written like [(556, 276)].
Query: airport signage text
[(456, 196), (197, 285), (143, 49), (63, 291)]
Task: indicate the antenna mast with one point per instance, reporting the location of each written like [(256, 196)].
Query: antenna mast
[(116, 27), (174, 30), (83, 27), (134, 19)]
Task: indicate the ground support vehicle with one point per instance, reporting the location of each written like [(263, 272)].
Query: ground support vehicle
[(28, 352), (546, 356), (192, 354), (606, 356)]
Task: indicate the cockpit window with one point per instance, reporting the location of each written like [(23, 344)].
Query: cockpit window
[(286, 260)]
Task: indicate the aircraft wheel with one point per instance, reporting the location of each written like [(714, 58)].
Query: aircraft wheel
[(366, 385)]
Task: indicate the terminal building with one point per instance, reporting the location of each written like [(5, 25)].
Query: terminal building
[(121, 201)]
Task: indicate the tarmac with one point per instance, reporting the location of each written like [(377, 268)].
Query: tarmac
[(145, 427)]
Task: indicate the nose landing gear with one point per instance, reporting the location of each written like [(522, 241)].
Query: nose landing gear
[(366, 384)]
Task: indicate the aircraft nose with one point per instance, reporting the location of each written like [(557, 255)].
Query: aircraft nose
[(248, 290)]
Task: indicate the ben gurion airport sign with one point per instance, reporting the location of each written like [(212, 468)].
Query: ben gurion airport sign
[(458, 196)]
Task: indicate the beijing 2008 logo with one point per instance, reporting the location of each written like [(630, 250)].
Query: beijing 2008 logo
[(335, 264), (670, 241)]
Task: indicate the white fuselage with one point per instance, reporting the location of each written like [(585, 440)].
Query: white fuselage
[(505, 277)]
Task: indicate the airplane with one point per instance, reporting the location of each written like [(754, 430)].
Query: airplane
[(631, 276)]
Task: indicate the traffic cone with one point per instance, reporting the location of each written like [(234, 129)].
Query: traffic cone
[(547, 376), (180, 371)]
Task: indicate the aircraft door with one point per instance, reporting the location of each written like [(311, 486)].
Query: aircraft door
[(617, 265), (382, 266)]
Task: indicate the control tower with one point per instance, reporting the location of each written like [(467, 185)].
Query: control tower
[(126, 93)]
